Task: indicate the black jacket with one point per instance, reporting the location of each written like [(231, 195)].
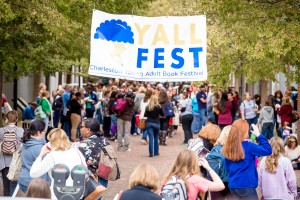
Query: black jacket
[(139, 193)]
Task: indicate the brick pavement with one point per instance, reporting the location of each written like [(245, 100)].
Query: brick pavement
[(139, 154)]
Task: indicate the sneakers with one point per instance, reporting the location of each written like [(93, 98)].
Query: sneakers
[(144, 141), (135, 134)]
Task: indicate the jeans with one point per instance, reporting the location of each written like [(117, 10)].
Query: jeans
[(99, 116), (8, 186), (196, 123), (251, 121), (244, 193), (186, 126), (202, 113), (268, 130), (67, 128), (103, 182), (222, 195), (153, 133), (123, 132), (56, 118), (23, 188), (144, 134), (133, 126)]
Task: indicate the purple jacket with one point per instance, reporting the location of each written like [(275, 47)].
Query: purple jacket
[(282, 184)]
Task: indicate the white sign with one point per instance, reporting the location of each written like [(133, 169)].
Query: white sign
[(148, 48)]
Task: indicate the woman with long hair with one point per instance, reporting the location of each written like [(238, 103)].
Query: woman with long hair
[(144, 103), (277, 103), (276, 171), (153, 111), (187, 168), (285, 111), (164, 120), (240, 157), (33, 141), (225, 107), (57, 151), (292, 150)]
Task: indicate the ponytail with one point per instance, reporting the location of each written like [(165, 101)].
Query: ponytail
[(35, 127)]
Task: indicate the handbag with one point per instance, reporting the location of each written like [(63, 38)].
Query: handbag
[(92, 188), (142, 124), (39, 113), (15, 165), (295, 116)]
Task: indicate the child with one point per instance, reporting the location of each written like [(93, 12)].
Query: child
[(39, 188)]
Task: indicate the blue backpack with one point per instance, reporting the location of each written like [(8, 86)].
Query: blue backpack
[(216, 161), (169, 111)]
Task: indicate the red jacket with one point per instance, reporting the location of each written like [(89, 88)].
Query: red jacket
[(285, 112)]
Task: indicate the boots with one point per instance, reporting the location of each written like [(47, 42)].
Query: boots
[(164, 137), (160, 137)]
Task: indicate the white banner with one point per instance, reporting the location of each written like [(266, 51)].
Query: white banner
[(148, 48)]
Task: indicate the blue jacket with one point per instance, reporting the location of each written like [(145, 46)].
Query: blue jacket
[(28, 113), (94, 98), (30, 151), (139, 192), (243, 173)]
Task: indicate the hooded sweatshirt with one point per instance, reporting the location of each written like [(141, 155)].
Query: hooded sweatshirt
[(266, 115), (30, 151)]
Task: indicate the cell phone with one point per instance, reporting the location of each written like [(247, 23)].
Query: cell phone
[(203, 152), (253, 137)]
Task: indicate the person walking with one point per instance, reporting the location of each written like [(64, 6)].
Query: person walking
[(240, 159), (186, 117), (266, 121), (248, 110), (152, 112)]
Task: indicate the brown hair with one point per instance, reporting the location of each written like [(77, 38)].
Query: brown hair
[(289, 144), (45, 93), (163, 97), (38, 188), (233, 149), (278, 92), (210, 132), (12, 116), (145, 175), (277, 150), (286, 100), (148, 94)]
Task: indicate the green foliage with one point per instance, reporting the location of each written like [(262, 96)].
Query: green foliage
[(255, 38)]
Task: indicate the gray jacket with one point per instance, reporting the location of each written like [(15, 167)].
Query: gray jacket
[(266, 115), (5, 160)]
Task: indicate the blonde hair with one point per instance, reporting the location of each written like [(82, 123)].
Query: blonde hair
[(210, 132), (145, 175), (286, 100), (152, 103), (223, 136), (59, 140), (186, 163), (38, 188), (12, 116), (142, 90), (277, 150)]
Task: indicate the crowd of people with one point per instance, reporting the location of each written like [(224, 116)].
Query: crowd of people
[(254, 140)]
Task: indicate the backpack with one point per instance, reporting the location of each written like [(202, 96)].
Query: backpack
[(174, 189), (216, 161), (108, 167), (169, 111), (196, 145), (119, 106), (9, 142)]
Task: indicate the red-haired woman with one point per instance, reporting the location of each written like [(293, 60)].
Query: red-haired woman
[(240, 159)]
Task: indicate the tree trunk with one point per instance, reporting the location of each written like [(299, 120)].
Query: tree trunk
[(69, 74), (1, 88), (36, 82), (47, 82)]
